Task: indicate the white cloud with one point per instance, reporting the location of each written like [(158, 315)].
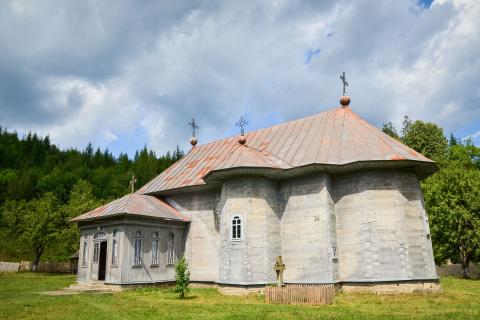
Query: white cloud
[(98, 73)]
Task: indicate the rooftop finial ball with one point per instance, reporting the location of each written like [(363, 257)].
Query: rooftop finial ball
[(193, 141), (242, 139), (345, 101)]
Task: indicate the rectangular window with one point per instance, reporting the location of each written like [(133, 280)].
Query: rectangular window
[(96, 251), (138, 250), (114, 252), (155, 252), (84, 254)]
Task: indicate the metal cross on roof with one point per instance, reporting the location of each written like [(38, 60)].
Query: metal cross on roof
[(194, 126), (242, 123), (344, 80), (132, 183)]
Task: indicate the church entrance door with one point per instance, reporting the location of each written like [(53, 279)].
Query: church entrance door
[(102, 261)]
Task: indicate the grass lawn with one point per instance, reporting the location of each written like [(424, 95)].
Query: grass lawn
[(19, 299)]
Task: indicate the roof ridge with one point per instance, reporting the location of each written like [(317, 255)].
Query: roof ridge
[(124, 209), (383, 137), (269, 127), (264, 152)]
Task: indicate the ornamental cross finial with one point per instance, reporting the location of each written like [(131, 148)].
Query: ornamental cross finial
[(242, 123), (194, 126), (344, 80), (132, 183)]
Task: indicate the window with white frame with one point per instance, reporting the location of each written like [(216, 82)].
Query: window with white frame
[(137, 258), (236, 228), (96, 251), (114, 248), (85, 251), (171, 249), (154, 257)]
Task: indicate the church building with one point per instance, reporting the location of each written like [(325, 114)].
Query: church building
[(335, 197)]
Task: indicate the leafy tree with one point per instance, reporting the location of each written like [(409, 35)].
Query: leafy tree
[(452, 200), (182, 277), (36, 222), (81, 200), (426, 138), (389, 129)]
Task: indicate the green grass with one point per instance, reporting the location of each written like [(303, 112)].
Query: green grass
[(19, 299)]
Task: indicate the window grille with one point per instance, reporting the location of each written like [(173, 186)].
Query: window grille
[(137, 260), (171, 249), (155, 252), (85, 254), (236, 228), (154, 260), (114, 248), (96, 251)]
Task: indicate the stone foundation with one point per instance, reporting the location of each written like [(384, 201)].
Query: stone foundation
[(391, 287), (237, 290), (394, 287)]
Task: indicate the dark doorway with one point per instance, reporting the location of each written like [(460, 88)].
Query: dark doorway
[(102, 262)]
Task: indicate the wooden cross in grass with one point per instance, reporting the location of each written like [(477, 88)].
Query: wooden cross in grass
[(279, 268)]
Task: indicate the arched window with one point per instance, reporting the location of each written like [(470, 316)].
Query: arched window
[(114, 248), (171, 249), (100, 236), (85, 251), (137, 258), (154, 260), (236, 228)]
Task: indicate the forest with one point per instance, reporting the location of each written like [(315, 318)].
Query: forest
[(42, 187)]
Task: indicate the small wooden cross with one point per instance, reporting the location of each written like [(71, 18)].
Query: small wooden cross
[(132, 183), (279, 268)]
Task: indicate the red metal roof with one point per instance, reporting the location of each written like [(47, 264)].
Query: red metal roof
[(134, 204), (335, 137)]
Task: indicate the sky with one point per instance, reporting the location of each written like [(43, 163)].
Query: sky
[(127, 73)]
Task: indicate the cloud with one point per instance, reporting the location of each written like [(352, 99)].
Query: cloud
[(135, 72)]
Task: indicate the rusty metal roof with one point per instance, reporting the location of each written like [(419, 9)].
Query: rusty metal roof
[(134, 204), (337, 137)]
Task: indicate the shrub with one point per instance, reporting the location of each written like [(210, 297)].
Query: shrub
[(182, 277)]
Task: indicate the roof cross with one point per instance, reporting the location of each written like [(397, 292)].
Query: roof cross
[(194, 126), (132, 183), (344, 80), (242, 123)]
